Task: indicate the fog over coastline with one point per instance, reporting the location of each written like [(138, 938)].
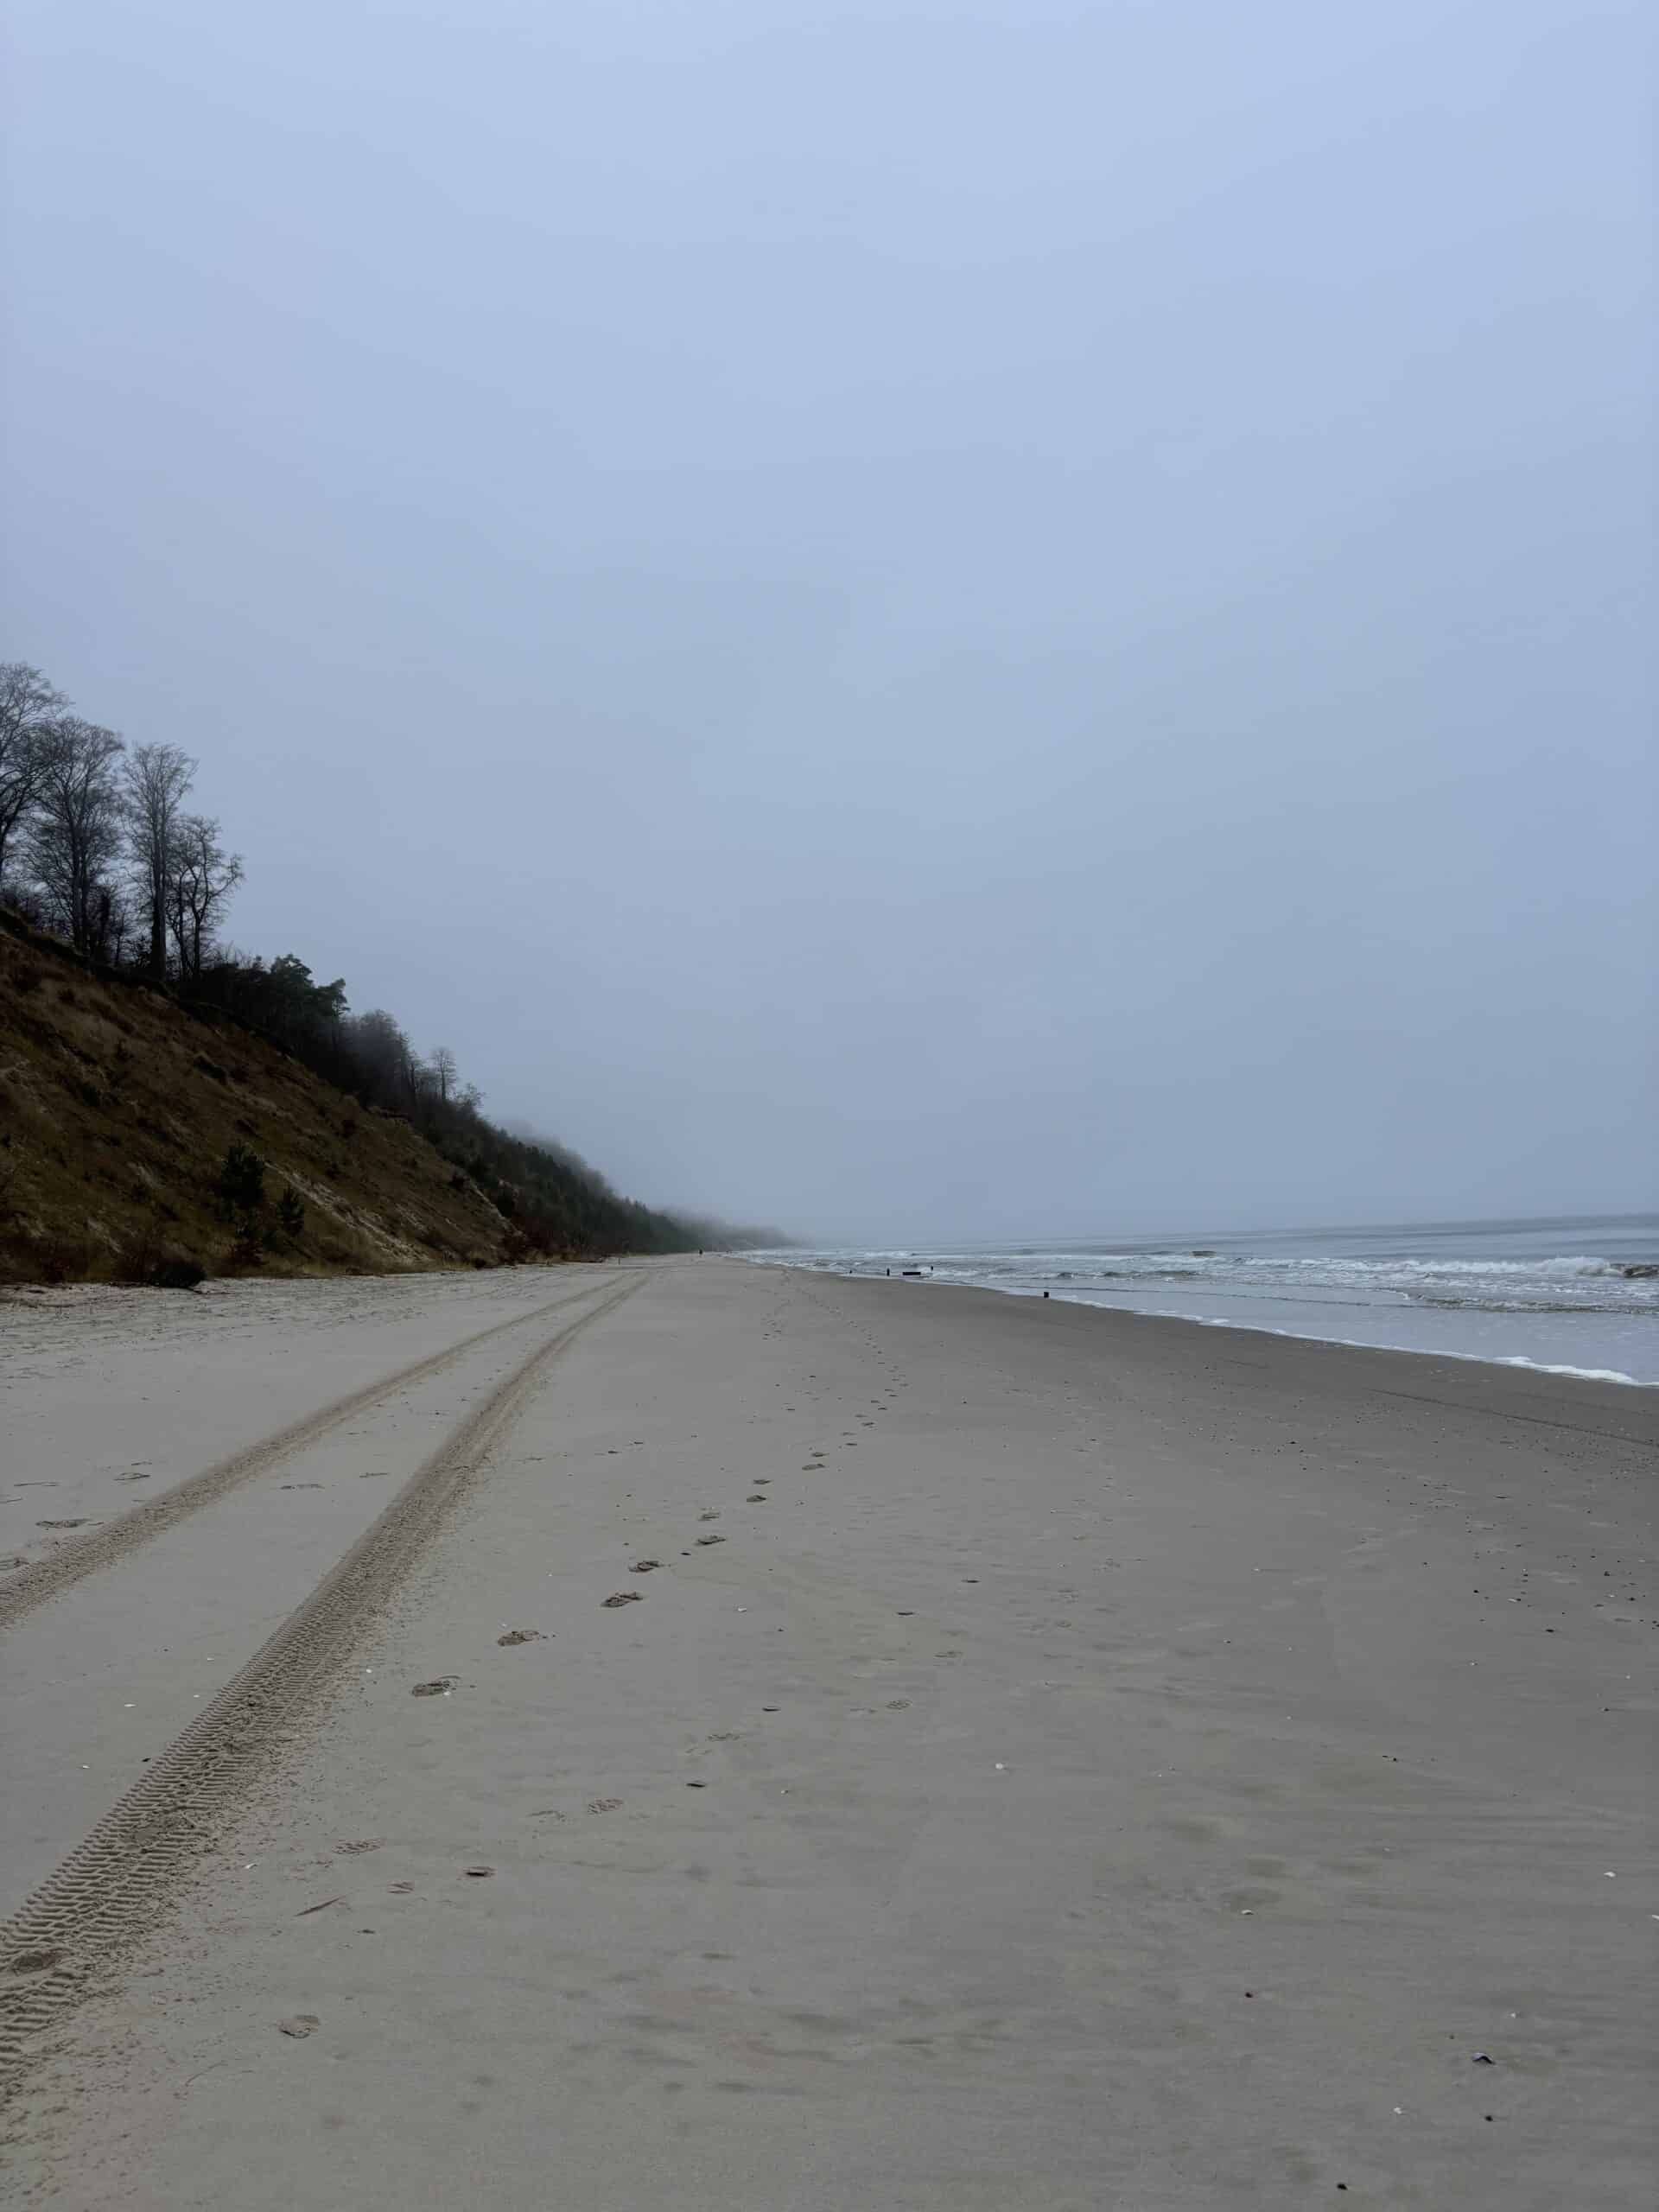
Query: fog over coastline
[(927, 623)]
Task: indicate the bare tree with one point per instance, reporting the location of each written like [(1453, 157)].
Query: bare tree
[(29, 705), (75, 837), (115, 921), (203, 877), (444, 1069), (157, 779)]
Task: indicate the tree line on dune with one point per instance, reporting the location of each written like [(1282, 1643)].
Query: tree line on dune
[(97, 842), (98, 847)]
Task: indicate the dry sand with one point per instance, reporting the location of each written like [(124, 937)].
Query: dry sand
[(1104, 1763)]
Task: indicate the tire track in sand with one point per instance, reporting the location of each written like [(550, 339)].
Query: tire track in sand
[(109, 1890), (74, 1561)]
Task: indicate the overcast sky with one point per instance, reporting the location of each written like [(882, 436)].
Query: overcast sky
[(929, 617)]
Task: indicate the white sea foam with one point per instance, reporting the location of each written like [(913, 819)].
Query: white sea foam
[(1554, 1367)]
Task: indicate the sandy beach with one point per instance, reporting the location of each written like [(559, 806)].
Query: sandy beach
[(1042, 1757)]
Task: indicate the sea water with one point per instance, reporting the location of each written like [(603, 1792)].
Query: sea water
[(1558, 1294)]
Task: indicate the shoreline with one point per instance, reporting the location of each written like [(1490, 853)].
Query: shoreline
[(1517, 1362)]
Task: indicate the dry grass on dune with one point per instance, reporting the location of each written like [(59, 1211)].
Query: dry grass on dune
[(118, 1109)]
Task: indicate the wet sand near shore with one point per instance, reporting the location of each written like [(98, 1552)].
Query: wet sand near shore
[(1040, 1757)]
